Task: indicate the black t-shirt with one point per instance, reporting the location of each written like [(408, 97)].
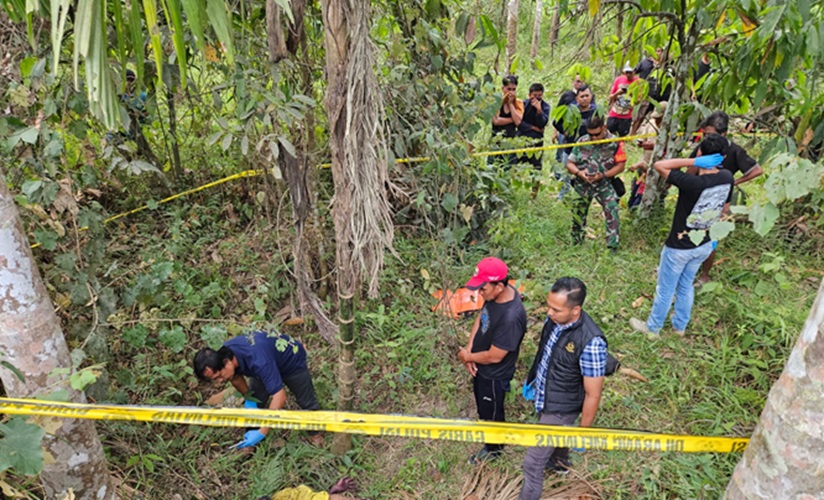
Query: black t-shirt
[(502, 325), (701, 199), (508, 130), (736, 159), (645, 67)]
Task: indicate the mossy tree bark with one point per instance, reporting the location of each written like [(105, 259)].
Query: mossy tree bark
[(31, 339), (785, 458)]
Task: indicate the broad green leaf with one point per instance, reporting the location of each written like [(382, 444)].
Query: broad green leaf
[(213, 335), (721, 230), (136, 30), (449, 202), (775, 188), (20, 447), (194, 11), (150, 11), (83, 23), (120, 27), (27, 135), (227, 141), (288, 146), (214, 138), (218, 15), (244, 145), (174, 12), (763, 217), (82, 379), (697, 236), (174, 338)]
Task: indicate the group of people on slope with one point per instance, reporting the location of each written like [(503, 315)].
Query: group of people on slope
[(567, 375)]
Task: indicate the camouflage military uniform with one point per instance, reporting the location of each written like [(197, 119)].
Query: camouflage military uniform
[(594, 159)]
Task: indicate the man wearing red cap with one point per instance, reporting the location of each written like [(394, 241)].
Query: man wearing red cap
[(492, 351)]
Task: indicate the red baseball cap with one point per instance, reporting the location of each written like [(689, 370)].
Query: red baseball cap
[(488, 269)]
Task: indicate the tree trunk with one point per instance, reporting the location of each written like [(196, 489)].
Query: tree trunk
[(667, 140), (32, 341), (361, 213), (536, 30), (274, 33), (555, 29), (511, 32), (177, 169), (785, 456)]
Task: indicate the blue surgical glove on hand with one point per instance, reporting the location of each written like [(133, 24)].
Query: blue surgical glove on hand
[(528, 392), (709, 161), (250, 404), (251, 438)]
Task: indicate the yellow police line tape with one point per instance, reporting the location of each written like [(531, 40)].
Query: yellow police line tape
[(239, 175), (386, 425), (414, 159)]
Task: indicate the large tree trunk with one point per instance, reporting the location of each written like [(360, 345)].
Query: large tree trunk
[(536, 30), (785, 457), (511, 32), (32, 341), (363, 223)]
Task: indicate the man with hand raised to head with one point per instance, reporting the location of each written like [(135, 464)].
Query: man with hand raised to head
[(492, 351), (271, 360), (701, 201)]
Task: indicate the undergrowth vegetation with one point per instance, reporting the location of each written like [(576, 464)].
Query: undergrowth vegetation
[(187, 276)]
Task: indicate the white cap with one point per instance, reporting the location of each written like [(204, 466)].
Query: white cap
[(627, 67)]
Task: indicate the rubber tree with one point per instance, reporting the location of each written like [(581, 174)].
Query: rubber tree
[(785, 456), (512, 8), (536, 30), (32, 341), (361, 213)]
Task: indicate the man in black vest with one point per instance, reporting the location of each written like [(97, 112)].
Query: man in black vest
[(566, 377)]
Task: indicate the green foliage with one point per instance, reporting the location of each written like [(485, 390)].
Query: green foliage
[(20, 446)]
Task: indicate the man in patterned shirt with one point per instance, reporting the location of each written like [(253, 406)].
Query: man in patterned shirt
[(593, 168), (271, 360), (566, 377)]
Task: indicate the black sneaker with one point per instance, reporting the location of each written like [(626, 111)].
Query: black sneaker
[(483, 455), (560, 466)]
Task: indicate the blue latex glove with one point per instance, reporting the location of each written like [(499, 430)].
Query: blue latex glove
[(709, 161), (579, 450), (251, 438), (528, 392), (250, 405)]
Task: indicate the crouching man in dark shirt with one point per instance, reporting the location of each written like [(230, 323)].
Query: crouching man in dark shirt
[(566, 378), (271, 361)]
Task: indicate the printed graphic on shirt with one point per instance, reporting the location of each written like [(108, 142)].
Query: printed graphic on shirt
[(484, 321), (623, 105), (708, 208), (284, 341)]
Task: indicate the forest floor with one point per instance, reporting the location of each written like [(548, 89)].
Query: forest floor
[(229, 269)]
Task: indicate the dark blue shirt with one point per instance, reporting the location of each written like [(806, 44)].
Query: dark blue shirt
[(268, 356), (531, 117)]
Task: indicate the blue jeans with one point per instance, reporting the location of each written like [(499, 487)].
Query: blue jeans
[(676, 273)]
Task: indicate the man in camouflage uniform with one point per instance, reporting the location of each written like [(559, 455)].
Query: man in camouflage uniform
[(593, 168)]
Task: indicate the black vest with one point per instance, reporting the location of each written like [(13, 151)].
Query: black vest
[(564, 390)]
